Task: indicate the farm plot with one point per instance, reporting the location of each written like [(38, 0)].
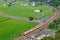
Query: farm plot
[(13, 28)]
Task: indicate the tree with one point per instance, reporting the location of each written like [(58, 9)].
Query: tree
[(59, 20), (31, 18), (54, 3), (53, 26), (57, 36), (5, 0), (9, 4), (56, 22)]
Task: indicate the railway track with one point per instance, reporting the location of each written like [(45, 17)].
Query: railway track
[(37, 28)]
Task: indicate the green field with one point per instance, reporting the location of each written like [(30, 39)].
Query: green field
[(25, 12), (2, 18), (12, 28)]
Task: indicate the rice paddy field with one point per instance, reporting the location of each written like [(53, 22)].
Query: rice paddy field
[(25, 11), (11, 28)]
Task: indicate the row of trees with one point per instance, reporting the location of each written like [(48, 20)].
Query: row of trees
[(51, 2), (9, 0), (54, 3)]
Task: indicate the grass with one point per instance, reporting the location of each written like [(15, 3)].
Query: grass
[(59, 7), (25, 12), (2, 18), (12, 28)]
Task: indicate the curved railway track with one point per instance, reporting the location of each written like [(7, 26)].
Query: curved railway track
[(39, 26)]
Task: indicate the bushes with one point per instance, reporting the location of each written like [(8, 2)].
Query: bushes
[(54, 3), (57, 21), (9, 4), (31, 18), (47, 38), (55, 24)]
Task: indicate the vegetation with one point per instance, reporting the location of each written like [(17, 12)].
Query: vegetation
[(58, 7), (12, 28), (31, 18), (25, 11), (55, 3), (2, 18), (57, 37), (9, 4), (55, 27), (55, 24), (48, 38)]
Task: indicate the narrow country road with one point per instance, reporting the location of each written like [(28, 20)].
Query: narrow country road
[(13, 17), (17, 18)]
